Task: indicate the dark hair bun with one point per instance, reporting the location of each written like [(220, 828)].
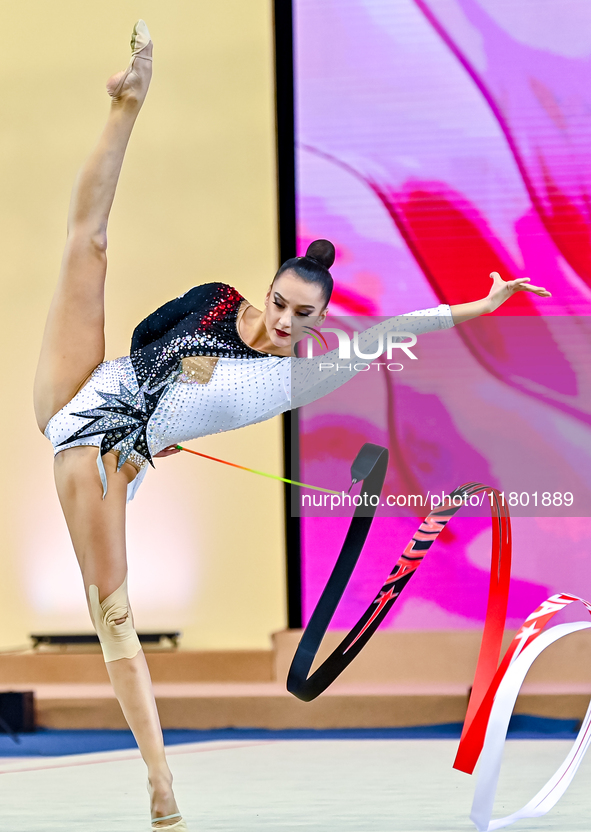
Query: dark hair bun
[(323, 251)]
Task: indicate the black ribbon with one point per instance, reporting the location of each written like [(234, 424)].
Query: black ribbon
[(369, 466)]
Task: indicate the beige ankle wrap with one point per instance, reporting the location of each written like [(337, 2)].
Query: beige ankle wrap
[(118, 641)]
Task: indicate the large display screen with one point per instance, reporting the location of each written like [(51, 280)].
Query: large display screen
[(437, 142)]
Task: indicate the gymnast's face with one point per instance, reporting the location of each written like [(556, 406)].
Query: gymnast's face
[(290, 304)]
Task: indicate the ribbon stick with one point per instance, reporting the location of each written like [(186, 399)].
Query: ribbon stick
[(254, 471)]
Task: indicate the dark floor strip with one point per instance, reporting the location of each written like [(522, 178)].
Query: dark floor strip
[(46, 742)]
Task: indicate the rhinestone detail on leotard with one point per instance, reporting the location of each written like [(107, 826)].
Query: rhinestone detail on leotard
[(200, 322), (121, 420)]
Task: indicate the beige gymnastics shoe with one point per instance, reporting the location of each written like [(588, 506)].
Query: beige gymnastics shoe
[(134, 81), (179, 826), (159, 826)]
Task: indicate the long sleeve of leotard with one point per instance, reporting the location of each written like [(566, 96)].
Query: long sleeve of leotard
[(312, 378)]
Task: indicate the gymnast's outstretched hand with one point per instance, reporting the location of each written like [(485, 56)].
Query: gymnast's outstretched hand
[(500, 291)]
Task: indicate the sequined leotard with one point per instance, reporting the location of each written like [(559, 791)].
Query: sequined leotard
[(139, 404)]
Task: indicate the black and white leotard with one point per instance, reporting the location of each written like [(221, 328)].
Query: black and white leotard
[(139, 404)]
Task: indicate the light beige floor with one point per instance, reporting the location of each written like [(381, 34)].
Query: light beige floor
[(320, 786)]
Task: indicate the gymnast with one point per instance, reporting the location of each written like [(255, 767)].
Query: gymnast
[(205, 362)]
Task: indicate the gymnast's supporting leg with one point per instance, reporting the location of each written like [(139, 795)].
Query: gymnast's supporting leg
[(97, 529)]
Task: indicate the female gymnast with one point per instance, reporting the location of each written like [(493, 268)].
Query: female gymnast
[(205, 362)]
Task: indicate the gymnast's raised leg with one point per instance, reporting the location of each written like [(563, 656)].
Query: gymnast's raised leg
[(73, 346)]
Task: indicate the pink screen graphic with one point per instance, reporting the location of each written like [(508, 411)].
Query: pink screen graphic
[(437, 142)]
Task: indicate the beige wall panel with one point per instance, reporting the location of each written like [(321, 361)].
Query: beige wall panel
[(196, 203)]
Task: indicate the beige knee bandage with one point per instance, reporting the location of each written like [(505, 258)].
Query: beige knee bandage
[(119, 641)]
